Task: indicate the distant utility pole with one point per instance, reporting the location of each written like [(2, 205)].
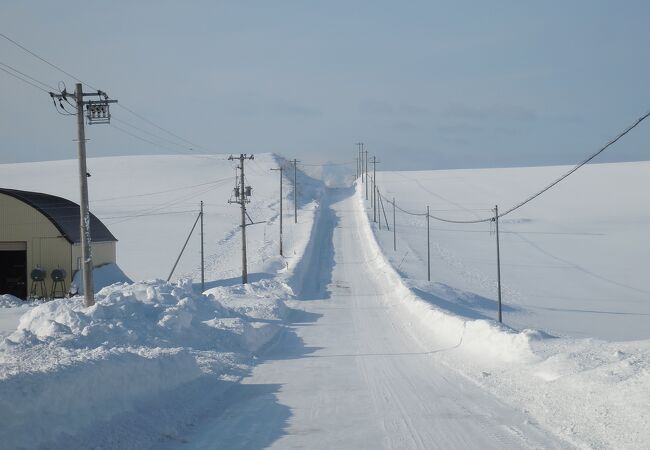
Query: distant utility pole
[(366, 170), (202, 253), (374, 183), (281, 169), (295, 190), (97, 111), (496, 220), (242, 196), (428, 247), (394, 228), (360, 151)]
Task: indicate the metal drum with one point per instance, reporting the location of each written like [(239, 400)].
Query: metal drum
[(58, 275), (38, 274)]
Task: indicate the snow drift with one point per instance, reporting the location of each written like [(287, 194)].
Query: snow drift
[(67, 368)]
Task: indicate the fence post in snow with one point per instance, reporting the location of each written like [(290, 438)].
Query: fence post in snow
[(428, 249), (496, 220)]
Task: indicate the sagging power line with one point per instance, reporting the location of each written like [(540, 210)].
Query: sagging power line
[(183, 143)]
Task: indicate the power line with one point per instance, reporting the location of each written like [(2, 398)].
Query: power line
[(546, 188), (22, 47), (142, 130), (24, 80), (163, 192), (27, 76), (155, 144), (54, 66), (141, 117), (344, 163)]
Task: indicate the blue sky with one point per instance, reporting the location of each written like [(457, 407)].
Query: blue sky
[(424, 84)]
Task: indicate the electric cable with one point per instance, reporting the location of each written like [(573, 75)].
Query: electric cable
[(121, 105), (26, 76), (24, 80), (547, 187)]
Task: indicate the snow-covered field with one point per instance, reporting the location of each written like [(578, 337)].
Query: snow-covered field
[(150, 345), (575, 351), (370, 354), (574, 261), (150, 203)]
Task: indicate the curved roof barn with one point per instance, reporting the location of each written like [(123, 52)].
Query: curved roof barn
[(63, 213)]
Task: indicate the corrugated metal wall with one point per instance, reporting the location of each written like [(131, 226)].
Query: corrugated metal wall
[(46, 248)]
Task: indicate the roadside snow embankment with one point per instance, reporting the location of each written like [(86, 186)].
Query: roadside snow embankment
[(593, 393), (67, 368)]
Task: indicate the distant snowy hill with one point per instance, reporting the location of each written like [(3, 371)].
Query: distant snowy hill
[(151, 202)]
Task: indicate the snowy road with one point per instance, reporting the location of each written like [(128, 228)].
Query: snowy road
[(350, 372)]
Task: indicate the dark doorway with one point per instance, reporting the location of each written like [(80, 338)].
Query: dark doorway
[(13, 273)]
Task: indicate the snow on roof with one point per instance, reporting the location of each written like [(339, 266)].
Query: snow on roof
[(63, 213)]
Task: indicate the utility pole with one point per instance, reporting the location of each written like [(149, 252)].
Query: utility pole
[(242, 194), (374, 184), (202, 253), (97, 111), (378, 212), (496, 220), (360, 146), (428, 247), (394, 228), (295, 190), (281, 169), (366, 170)]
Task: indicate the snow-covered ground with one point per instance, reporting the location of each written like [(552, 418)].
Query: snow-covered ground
[(575, 353), (150, 203), (75, 377), (574, 261), (343, 343)]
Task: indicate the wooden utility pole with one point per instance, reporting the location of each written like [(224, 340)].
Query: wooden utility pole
[(295, 190), (374, 184), (366, 170), (394, 228), (281, 169), (428, 247), (496, 220), (378, 212), (86, 252), (242, 192), (360, 151), (97, 112), (202, 253)]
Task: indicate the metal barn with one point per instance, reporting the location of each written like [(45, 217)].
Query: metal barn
[(41, 231)]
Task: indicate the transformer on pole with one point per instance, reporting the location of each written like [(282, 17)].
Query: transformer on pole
[(242, 196), (97, 112)]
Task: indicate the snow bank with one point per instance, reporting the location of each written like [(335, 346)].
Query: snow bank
[(481, 338), (103, 276), (67, 368), (593, 393), (9, 301)]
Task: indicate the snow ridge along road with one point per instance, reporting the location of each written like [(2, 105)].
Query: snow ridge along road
[(349, 372)]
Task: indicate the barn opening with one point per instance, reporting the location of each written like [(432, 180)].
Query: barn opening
[(13, 269), (41, 231)]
